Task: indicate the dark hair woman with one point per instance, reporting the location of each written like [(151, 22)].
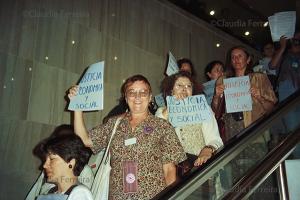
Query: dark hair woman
[(199, 140), (64, 158), (214, 70)]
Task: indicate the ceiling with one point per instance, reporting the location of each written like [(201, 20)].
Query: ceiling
[(238, 16)]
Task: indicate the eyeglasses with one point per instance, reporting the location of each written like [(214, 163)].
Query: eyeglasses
[(141, 93), (180, 86)]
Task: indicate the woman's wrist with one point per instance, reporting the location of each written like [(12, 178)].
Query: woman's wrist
[(261, 99), (208, 148), (215, 99)]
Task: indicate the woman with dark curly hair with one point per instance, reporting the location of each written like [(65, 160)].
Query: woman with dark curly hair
[(199, 140), (186, 65)]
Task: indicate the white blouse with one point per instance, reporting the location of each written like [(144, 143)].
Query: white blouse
[(194, 137), (80, 192)]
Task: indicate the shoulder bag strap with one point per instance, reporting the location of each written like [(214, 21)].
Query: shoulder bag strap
[(112, 135), (68, 192)]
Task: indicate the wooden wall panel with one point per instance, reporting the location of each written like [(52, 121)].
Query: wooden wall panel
[(16, 74), (51, 41), (19, 168), (49, 84)]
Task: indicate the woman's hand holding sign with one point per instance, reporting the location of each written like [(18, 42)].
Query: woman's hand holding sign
[(255, 93), (220, 90), (73, 91)]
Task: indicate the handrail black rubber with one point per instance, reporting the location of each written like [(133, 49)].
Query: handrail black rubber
[(253, 178)]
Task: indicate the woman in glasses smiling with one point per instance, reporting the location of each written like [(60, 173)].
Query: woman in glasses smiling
[(144, 149)]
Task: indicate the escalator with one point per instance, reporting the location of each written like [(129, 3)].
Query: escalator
[(258, 163)]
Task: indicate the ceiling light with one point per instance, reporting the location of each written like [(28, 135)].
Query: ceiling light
[(212, 12), (115, 58), (218, 45), (46, 58), (73, 42), (12, 79), (247, 33), (4, 87), (266, 24)]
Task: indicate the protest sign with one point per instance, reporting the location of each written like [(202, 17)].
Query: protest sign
[(172, 67), (282, 23), (90, 91), (237, 94), (191, 110), (209, 89), (159, 99)]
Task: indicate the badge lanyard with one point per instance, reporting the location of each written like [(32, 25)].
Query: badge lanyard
[(130, 167)]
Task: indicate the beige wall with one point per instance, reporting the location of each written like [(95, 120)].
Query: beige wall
[(138, 32)]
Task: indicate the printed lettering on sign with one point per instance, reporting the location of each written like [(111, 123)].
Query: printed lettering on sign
[(90, 91), (191, 110), (237, 94)]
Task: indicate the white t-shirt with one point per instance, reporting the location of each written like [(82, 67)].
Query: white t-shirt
[(80, 192), (86, 177)]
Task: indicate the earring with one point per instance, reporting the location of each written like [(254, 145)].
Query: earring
[(151, 103), (70, 166)]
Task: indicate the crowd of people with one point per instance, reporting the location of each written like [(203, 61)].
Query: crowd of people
[(146, 149)]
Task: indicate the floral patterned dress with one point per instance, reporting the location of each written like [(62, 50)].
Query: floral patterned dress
[(156, 145)]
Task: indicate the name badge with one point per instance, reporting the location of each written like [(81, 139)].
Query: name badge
[(130, 141)]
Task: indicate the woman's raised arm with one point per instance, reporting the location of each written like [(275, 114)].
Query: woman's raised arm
[(79, 125)]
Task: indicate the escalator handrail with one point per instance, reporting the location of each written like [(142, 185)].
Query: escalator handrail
[(229, 151), (253, 178)]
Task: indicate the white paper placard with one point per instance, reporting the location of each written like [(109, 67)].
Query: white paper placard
[(191, 110), (172, 67), (237, 94), (90, 92)]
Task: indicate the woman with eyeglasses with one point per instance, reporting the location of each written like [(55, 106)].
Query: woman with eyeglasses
[(186, 65), (199, 140), (144, 149)]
